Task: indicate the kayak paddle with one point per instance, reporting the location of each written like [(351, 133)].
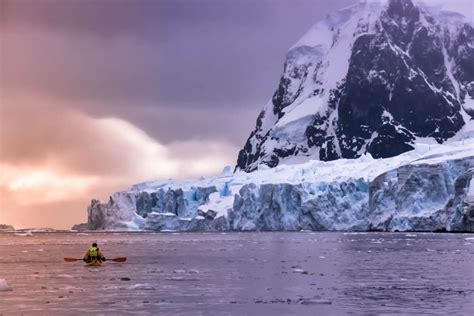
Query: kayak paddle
[(119, 259)]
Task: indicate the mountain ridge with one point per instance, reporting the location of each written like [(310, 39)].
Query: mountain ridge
[(371, 78)]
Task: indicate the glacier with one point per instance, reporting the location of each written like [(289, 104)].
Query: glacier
[(427, 189)]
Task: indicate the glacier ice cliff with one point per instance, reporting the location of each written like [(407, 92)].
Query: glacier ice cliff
[(423, 197), (428, 189)]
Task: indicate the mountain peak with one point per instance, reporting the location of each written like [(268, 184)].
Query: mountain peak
[(376, 78), (403, 12), (401, 8)]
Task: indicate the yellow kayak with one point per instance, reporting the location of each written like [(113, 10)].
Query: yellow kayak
[(94, 263)]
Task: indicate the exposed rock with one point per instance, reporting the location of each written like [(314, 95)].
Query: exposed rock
[(368, 79), (4, 227), (81, 227)]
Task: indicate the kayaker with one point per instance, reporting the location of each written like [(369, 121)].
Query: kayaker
[(93, 254)]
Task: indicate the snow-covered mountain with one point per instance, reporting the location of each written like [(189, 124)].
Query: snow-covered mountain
[(370, 129), (377, 77)]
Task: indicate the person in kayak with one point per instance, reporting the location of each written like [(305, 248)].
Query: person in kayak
[(93, 254)]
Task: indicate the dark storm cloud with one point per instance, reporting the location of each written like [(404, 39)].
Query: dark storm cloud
[(180, 54), (191, 123)]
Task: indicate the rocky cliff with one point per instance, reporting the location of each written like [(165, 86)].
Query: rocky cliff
[(372, 78)]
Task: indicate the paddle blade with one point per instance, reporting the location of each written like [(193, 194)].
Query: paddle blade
[(119, 259), (71, 259)]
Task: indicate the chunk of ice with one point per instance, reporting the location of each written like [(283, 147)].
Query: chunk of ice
[(4, 285)]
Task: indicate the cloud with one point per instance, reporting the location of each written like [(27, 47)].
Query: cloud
[(148, 159), (128, 77), (51, 155), (98, 95), (42, 184)]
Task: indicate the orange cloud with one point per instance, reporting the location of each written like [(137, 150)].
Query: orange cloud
[(53, 160)]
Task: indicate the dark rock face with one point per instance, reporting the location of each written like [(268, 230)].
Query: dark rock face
[(462, 50), (408, 76), (6, 227), (415, 108)]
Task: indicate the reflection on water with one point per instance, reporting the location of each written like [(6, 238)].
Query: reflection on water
[(241, 273)]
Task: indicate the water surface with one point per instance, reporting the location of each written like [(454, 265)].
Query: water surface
[(240, 274)]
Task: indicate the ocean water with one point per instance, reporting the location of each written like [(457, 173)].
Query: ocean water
[(305, 273)]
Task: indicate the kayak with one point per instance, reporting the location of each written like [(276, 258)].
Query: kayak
[(95, 263)]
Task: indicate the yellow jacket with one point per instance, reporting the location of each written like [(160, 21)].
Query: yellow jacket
[(93, 252)]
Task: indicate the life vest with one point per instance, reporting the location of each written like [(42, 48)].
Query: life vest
[(93, 251)]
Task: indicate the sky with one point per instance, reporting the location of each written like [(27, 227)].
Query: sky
[(96, 95)]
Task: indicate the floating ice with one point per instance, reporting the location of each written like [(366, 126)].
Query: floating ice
[(314, 301), (140, 287), (23, 234), (4, 285), (300, 271)]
